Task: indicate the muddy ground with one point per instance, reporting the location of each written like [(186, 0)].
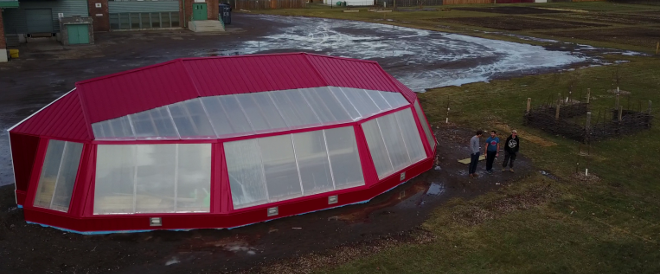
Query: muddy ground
[(643, 37), (427, 59), (30, 248), (512, 10), (517, 23), (613, 18)]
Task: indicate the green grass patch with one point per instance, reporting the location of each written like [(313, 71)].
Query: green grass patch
[(538, 225)]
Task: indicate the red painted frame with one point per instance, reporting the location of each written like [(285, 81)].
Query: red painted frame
[(80, 217)]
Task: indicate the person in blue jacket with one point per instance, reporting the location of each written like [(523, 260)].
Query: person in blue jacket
[(492, 150)]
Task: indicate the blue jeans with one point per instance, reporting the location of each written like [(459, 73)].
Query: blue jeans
[(490, 158), (474, 160)]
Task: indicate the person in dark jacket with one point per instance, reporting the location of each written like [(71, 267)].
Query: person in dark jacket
[(511, 147)]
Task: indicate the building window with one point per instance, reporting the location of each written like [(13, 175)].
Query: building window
[(144, 20)]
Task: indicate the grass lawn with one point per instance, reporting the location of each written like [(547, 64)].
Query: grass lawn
[(539, 225)]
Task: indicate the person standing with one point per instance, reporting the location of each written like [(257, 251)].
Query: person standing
[(492, 150), (511, 147), (474, 153)]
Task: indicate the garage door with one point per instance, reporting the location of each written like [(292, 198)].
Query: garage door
[(78, 34), (39, 20)]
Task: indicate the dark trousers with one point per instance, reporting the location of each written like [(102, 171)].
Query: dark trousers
[(474, 160), (509, 158), (490, 158)]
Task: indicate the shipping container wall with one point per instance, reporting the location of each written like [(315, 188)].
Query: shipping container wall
[(16, 20), (267, 4), (461, 2), (409, 3), (354, 3), (514, 1), (142, 6)]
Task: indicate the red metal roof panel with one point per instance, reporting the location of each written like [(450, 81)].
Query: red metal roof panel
[(136, 90), (342, 72), (62, 119), (154, 86), (256, 73)]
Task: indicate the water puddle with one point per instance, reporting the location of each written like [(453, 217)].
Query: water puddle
[(436, 189)]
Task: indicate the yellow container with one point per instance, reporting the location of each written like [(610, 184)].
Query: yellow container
[(13, 53)]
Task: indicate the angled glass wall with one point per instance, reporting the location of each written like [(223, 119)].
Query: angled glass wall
[(58, 175), (271, 169), (394, 142), (425, 125), (247, 114)]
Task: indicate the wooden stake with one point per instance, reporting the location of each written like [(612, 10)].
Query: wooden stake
[(616, 102), (558, 107), (587, 125), (447, 119), (620, 113), (588, 94), (529, 105)]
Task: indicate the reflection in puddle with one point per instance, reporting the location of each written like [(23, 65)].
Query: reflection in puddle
[(435, 189)]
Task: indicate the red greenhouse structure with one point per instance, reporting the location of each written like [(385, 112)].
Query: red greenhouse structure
[(218, 142)]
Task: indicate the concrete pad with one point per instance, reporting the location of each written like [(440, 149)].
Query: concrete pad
[(351, 10)]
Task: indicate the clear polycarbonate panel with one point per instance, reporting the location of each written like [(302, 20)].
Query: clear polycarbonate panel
[(193, 190), (269, 110), (120, 128), (396, 148), (303, 109), (67, 176), (377, 148), (114, 186), (99, 130), (49, 171), (395, 99), (235, 114), (246, 174), (153, 124), (361, 101), (246, 114), (345, 102), (155, 178), (285, 106), (152, 178), (280, 168), (317, 104), (425, 125), (253, 112), (313, 162), (411, 136), (379, 100), (333, 105), (344, 157), (163, 122), (191, 121), (143, 124), (218, 116)]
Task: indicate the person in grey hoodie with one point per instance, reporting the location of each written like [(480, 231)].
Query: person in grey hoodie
[(476, 152)]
